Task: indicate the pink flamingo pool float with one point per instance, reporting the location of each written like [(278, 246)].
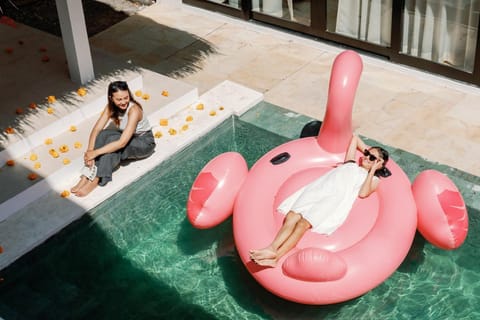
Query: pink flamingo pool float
[(368, 247)]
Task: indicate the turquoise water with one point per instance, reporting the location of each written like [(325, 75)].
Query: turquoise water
[(137, 257)]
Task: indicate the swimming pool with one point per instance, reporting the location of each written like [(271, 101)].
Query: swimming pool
[(137, 257)]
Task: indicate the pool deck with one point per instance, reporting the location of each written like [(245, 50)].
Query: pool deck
[(428, 115), (435, 118)]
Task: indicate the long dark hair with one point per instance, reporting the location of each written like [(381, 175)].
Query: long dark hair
[(116, 112), (383, 171)]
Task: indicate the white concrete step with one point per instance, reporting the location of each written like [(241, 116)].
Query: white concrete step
[(22, 191)]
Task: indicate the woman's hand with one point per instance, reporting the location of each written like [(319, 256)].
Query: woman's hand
[(377, 165), (89, 163), (355, 144), (89, 156)]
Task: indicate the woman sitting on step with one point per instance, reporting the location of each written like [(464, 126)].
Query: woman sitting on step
[(107, 147)]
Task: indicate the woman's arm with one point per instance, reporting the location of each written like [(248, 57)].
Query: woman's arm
[(99, 125), (370, 184), (355, 144), (134, 116)]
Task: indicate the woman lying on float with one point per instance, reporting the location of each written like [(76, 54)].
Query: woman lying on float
[(324, 204)]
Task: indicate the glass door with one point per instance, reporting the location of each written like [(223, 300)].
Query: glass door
[(363, 20), (364, 24), (442, 31), (235, 8), (236, 4), (298, 11)]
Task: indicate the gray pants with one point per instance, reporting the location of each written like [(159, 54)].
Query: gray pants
[(139, 146)]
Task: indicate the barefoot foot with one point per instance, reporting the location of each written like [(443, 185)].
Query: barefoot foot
[(87, 188), (272, 263), (79, 185), (265, 253)]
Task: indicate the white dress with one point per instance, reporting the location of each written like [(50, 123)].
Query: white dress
[(326, 202)]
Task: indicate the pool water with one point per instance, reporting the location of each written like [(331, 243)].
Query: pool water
[(137, 257)]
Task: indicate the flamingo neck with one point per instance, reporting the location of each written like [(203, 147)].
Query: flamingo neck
[(336, 130)]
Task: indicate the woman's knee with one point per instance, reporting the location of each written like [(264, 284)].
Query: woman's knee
[(139, 148), (135, 153), (304, 224), (106, 136), (293, 217), (103, 134)]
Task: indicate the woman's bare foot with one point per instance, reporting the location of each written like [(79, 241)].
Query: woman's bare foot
[(267, 262), (265, 253), (79, 185), (87, 188)]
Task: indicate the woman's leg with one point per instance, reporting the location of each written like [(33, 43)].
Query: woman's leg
[(139, 147), (105, 136), (270, 252), (300, 228), (106, 163)]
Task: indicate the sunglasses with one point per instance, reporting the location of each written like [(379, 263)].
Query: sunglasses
[(370, 156)]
